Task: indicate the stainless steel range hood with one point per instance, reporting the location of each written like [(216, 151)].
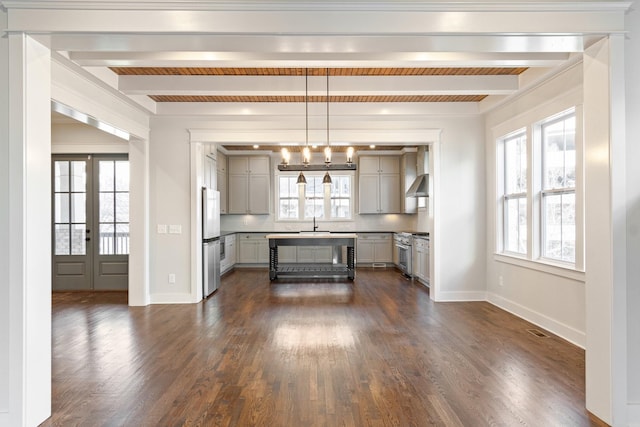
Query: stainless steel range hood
[(420, 187)]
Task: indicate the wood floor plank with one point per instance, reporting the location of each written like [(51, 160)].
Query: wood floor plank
[(376, 352)]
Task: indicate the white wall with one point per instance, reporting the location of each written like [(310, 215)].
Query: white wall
[(84, 139), (170, 204), (546, 298), (458, 204), (632, 58)]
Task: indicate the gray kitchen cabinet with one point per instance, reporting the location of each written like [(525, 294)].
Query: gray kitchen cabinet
[(374, 248), (421, 260), (253, 248), (209, 172), (229, 253), (315, 254), (287, 254), (249, 187), (221, 172), (379, 184)]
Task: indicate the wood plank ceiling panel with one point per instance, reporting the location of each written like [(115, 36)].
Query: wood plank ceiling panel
[(322, 99), (219, 71), (155, 71)]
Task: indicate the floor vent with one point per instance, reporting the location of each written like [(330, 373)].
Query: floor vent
[(537, 333), (379, 264)]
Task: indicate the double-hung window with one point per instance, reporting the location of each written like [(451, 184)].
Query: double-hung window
[(558, 190), (539, 214), (315, 199), (514, 195)]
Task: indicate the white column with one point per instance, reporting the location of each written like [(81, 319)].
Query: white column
[(632, 89), (4, 223), (139, 222), (605, 222), (29, 231)]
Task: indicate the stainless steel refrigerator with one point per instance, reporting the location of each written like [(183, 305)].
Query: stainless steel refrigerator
[(210, 241)]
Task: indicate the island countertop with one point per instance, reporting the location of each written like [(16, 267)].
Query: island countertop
[(312, 235)]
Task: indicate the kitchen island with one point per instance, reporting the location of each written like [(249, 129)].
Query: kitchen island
[(314, 238)]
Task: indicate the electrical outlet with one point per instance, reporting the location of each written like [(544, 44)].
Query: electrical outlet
[(162, 229), (500, 281), (175, 229), (172, 278)]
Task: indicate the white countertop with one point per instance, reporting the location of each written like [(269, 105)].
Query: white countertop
[(312, 235)]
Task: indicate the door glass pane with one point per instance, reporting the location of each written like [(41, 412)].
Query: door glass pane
[(122, 239), (61, 236), (61, 207), (122, 175), (122, 207), (107, 239), (79, 176), (78, 243), (113, 207), (106, 169), (78, 207), (106, 207), (61, 178)]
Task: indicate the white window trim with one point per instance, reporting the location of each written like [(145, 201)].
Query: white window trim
[(327, 199), (533, 259)]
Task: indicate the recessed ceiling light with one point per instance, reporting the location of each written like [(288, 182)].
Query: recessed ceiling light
[(372, 146), (256, 146)]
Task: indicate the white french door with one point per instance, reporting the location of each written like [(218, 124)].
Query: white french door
[(90, 218)]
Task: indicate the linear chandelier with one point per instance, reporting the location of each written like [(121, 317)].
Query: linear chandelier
[(306, 152)]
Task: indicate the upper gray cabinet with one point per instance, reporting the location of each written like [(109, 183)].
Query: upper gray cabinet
[(379, 184), (221, 172), (249, 186)]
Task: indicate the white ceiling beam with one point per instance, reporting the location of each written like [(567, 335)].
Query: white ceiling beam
[(292, 136), (316, 60), (506, 43), (266, 110), (338, 85), (356, 18)]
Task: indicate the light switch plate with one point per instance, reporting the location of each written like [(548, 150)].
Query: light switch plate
[(162, 229), (175, 229)]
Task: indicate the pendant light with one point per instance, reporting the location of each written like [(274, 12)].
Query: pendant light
[(306, 153), (327, 151)]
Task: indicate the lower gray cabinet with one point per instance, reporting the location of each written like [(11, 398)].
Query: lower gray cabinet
[(374, 248)]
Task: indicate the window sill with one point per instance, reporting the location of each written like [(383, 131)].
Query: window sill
[(543, 266)]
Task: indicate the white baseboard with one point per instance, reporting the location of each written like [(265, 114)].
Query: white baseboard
[(633, 414), (4, 419), (558, 328), (461, 296), (172, 299)]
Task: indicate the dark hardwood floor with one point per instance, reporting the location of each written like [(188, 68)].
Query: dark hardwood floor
[(374, 352)]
